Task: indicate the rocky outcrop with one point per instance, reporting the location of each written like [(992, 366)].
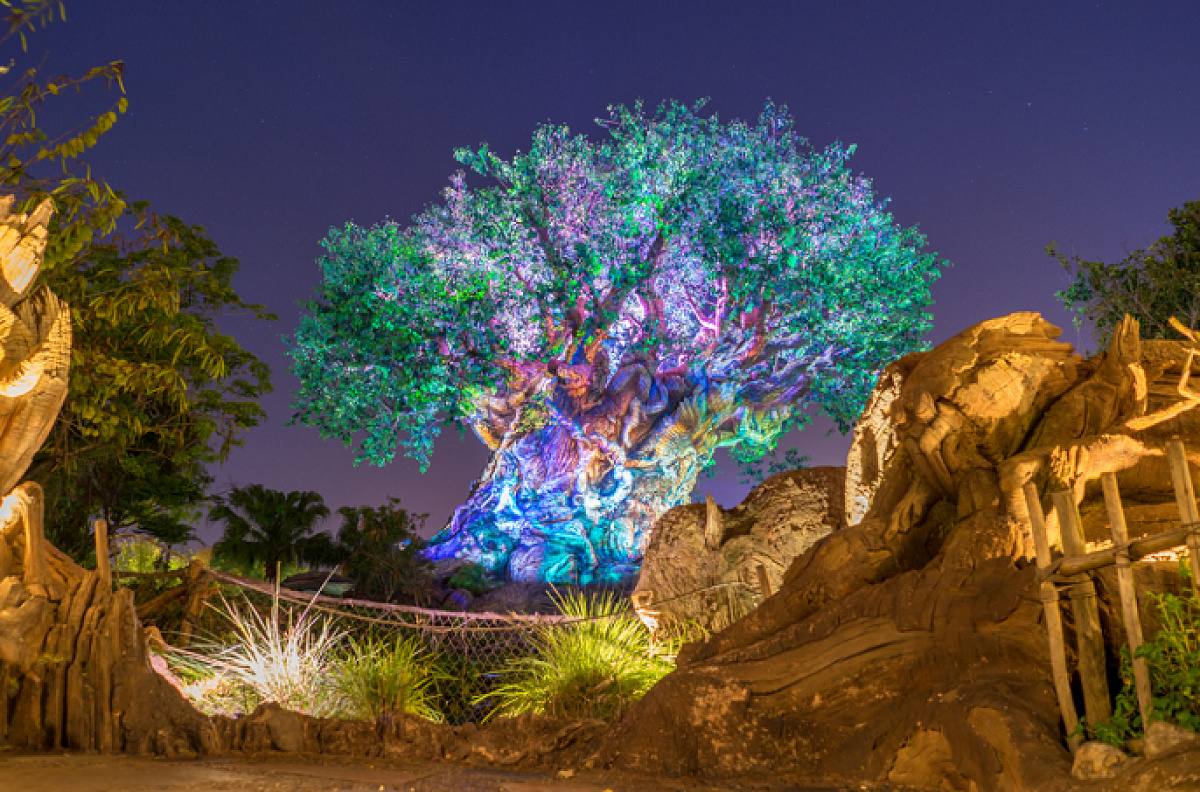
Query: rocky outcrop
[(527, 741), (908, 648), (702, 565)]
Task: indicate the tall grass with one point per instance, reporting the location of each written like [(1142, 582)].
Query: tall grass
[(381, 679), (282, 657), (304, 662), (593, 668)]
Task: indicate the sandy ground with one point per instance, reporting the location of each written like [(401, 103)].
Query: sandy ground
[(92, 773)]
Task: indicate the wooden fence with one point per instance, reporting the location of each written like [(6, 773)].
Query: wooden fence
[(1072, 574)]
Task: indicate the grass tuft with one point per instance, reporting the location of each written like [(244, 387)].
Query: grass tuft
[(281, 657), (593, 668), (380, 680)]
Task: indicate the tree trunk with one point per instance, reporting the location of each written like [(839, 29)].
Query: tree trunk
[(554, 506), (579, 473)]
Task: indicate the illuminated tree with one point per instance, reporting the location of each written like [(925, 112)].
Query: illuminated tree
[(605, 316)]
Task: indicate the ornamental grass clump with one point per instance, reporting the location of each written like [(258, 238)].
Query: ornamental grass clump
[(590, 668), (282, 657), (382, 679)]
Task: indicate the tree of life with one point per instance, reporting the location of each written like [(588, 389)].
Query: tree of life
[(605, 316)]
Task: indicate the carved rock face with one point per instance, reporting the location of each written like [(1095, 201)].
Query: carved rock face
[(702, 563), (910, 646), (35, 355)]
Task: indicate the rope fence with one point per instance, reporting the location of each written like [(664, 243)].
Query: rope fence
[(473, 649)]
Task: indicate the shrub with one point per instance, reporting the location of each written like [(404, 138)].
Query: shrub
[(592, 668), (1173, 660), (380, 679), (472, 578)]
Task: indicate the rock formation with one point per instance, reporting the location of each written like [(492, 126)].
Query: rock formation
[(73, 666), (908, 648), (702, 565)]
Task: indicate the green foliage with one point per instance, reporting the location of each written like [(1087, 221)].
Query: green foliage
[(271, 528), (1150, 285), (135, 554), (473, 578), (156, 392), (380, 550), (590, 669), (153, 385), (84, 206), (1173, 660), (381, 679), (732, 253)]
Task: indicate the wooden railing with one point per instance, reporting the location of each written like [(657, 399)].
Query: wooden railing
[(1072, 574)]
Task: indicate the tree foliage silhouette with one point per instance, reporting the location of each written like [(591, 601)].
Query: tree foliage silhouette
[(271, 528)]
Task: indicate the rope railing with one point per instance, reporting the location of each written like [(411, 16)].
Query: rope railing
[(474, 648)]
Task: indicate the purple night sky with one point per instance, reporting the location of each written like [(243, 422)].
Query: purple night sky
[(997, 127)]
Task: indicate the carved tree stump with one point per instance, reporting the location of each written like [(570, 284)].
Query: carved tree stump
[(74, 672)]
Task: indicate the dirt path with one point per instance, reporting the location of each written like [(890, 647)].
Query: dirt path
[(92, 773)]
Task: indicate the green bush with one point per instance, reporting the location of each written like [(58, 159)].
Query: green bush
[(381, 679), (593, 668), (1173, 660), (472, 578)]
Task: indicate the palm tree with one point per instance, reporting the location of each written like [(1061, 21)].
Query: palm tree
[(272, 527)]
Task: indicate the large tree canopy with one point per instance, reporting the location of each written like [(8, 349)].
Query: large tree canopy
[(157, 393), (600, 312)]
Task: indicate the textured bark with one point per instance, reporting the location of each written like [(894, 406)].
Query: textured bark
[(584, 463)]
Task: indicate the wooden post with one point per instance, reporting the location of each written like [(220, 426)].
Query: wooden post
[(4, 684), (1093, 675), (1129, 606), (193, 606), (1185, 498), (103, 562), (1054, 628), (714, 529), (764, 582)]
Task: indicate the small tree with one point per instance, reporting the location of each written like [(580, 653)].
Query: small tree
[(1151, 285), (155, 392), (381, 551), (606, 316), (272, 528)]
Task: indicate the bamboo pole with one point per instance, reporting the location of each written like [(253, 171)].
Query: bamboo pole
[(1129, 607), (1185, 498), (103, 562), (1092, 672), (764, 582), (1066, 568), (196, 589), (1054, 628)]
